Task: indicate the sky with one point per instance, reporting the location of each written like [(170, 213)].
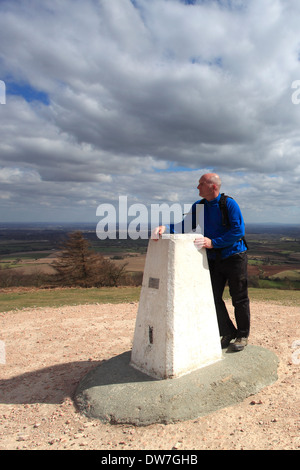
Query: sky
[(103, 99)]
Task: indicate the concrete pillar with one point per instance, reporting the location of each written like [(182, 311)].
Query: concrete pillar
[(176, 328)]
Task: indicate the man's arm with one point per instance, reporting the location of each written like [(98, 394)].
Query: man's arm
[(237, 227)]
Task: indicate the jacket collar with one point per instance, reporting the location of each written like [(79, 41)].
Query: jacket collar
[(213, 201)]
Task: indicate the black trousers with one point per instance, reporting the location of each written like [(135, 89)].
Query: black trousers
[(234, 271)]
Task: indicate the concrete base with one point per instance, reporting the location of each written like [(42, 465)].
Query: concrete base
[(117, 393)]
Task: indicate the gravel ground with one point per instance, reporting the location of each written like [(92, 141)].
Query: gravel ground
[(49, 350)]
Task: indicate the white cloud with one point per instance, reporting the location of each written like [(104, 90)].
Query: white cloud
[(138, 87), (16, 175)]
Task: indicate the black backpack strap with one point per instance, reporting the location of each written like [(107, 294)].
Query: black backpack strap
[(224, 210)]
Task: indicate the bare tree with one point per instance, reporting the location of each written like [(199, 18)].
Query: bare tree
[(79, 265)]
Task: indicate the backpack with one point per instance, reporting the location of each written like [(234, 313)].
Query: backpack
[(224, 212)]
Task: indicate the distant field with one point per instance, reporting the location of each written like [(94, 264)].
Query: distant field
[(29, 262), (41, 261), (293, 274), (274, 254), (134, 262)]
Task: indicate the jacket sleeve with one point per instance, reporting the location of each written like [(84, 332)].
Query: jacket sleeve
[(236, 230)]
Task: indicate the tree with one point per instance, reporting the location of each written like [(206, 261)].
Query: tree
[(78, 265)]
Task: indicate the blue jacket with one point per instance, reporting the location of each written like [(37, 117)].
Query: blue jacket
[(228, 239)]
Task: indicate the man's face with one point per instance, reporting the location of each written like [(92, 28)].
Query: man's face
[(205, 188)]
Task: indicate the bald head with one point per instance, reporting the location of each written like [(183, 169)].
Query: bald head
[(209, 186), (213, 178)]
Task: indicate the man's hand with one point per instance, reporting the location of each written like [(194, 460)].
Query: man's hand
[(208, 243), (157, 232), (203, 242)]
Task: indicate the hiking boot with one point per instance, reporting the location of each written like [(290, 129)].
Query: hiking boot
[(239, 344), (225, 341)]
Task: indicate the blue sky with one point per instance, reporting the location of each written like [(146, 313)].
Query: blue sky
[(26, 91), (112, 98)]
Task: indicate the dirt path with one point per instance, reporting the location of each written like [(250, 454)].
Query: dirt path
[(49, 350)]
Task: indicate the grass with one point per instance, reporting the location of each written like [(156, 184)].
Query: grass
[(291, 274), (284, 297), (16, 300), (283, 284), (255, 262)]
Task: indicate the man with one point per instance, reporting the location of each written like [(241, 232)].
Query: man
[(227, 259)]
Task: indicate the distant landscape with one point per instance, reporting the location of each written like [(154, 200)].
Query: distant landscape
[(30, 250)]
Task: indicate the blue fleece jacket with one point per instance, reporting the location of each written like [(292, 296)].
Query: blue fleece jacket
[(228, 239)]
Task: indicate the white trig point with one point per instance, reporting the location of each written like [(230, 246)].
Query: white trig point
[(176, 329)]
